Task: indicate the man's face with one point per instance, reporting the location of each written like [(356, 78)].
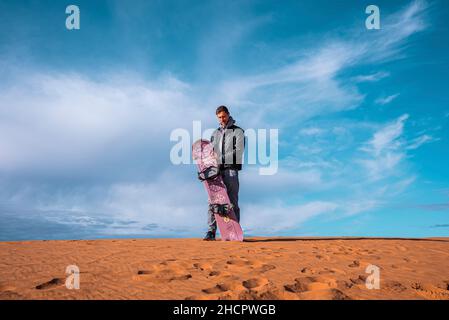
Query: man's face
[(223, 118)]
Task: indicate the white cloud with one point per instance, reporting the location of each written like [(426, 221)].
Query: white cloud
[(311, 86), (301, 90), (167, 201), (68, 122), (262, 219), (419, 141), (374, 77), (388, 148), (286, 180), (400, 186), (384, 150), (357, 206), (382, 166), (387, 138), (312, 131), (386, 100)]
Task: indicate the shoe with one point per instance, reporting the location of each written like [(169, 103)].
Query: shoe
[(210, 236)]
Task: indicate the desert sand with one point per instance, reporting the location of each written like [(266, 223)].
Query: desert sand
[(259, 268)]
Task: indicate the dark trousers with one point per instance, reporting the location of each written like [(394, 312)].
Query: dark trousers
[(231, 180)]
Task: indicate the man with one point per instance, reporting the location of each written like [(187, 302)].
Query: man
[(229, 144)]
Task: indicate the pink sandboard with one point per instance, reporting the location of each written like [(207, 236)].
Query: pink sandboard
[(204, 155)]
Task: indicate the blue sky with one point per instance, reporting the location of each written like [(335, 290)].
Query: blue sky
[(86, 116)]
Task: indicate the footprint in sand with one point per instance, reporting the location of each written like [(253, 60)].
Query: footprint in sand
[(408, 260), (267, 294), (394, 286), (316, 288), (341, 250), (344, 284), (260, 288), (361, 279), (141, 272), (311, 283), (162, 273), (221, 287), (243, 263), (308, 270), (181, 277), (267, 267), (239, 262), (172, 274), (430, 292), (50, 284), (202, 266), (321, 257), (255, 283), (326, 271), (329, 294), (354, 264)]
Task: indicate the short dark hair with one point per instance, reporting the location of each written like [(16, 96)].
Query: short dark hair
[(222, 108)]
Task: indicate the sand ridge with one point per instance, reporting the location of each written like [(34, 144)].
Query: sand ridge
[(259, 268)]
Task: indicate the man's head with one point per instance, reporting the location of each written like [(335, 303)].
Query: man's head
[(223, 115)]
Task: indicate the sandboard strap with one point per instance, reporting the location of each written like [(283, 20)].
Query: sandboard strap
[(209, 173), (221, 209)]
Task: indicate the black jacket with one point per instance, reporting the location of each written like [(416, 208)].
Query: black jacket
[(230, 149)]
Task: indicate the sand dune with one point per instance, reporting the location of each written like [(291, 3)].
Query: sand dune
[(259, 268)]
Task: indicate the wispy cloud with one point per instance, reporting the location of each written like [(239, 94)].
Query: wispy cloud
[(282, 217), (419, 141), (386, 100), (386, 139), (310, 86), (311, 131), (388, 148), (374, 77)]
